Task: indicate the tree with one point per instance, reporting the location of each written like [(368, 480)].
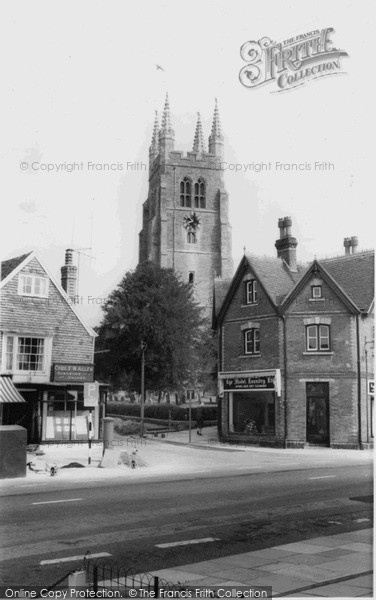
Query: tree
[(152, 305)]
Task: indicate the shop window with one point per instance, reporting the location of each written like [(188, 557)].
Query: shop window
[(33, 285), (252, 341), (191, 237), (253, 413), (318, 338), (251, 292), (200, 194), (316, 292), (185, 192), (67, 417)]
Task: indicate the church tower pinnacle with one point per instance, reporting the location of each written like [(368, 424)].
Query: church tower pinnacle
[(198, 142), (166, 134), (216, 137), (154, 146)]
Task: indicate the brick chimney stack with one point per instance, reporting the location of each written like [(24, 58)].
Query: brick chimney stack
[(286, 245), (351, 244), (69, 275)]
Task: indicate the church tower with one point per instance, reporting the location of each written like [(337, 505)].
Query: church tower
[(185, 223)]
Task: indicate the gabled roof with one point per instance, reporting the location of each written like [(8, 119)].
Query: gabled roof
[(15, 265), (355, 274), (273, 274), (7, 266)]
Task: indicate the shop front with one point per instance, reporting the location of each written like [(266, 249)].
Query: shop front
[(251, 405), (61, 410)]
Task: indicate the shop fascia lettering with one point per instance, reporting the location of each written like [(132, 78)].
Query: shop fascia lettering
[(261, 380)]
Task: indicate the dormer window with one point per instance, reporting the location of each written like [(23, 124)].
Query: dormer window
[(316, 292), (32, 285), (251, 292)]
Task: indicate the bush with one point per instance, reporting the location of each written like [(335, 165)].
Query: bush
[(161, 411), (126, 427)]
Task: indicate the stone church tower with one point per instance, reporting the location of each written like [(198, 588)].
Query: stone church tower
[(185, 222)]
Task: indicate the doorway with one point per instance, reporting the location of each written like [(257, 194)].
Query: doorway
[(318, 413)]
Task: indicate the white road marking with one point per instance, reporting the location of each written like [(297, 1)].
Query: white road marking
[(322, 477), (72, 558), (335, 522), (246, 467), (361, 520), (58, 501), (187, 542)]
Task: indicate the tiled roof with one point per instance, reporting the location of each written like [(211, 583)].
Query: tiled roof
[(221, 287), (7, 266), (355, 274), (274, 275)]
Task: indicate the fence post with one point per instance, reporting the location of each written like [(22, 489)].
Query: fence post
[(156, 586), (95, 579), (77, 579)]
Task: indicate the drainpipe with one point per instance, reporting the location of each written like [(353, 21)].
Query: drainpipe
[(359, 381), (283, 317)]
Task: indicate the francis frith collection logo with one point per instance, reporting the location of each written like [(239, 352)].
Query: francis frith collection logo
[(291, 63)]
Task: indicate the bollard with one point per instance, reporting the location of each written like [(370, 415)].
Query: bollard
[(108, 432)]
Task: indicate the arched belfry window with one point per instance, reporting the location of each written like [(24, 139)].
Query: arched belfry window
[(191, 237), (200, 194), (185, 192)]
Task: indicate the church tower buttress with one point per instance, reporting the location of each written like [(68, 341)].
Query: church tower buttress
[(185, 223)]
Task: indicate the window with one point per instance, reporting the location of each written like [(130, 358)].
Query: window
[(185, 192), (26, 354), (316, 292), (30, 354), (33, 285), (191, 237), (318, 338), (251, 292), (191, 278), (252, 341), (200, 196)]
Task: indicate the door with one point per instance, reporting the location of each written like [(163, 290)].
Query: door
[(318, 413)]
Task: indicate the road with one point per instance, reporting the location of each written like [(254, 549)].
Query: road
[(244, 511)]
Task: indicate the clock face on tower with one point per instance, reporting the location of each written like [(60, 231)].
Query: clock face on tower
[(192, 221)]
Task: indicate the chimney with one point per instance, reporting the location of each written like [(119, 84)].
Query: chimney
[(354, 244), (286, 245), (351, 245), (69, 275)]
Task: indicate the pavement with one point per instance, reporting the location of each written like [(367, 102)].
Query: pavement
[(172, 456), (329, 566)]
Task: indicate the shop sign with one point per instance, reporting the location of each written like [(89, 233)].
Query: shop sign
[(73, 373), (91, 394), (250, 382), (371, 387)]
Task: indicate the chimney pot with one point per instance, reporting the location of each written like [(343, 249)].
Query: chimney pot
[(286, 245)]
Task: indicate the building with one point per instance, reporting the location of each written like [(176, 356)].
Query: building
[(46, 353), (295, 347), (185, 223)]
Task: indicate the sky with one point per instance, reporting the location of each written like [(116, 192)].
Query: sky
[(80, 85)]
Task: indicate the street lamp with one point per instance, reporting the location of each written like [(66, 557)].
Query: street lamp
[(143, 349)]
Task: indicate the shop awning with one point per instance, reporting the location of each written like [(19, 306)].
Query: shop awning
[(8, 391)]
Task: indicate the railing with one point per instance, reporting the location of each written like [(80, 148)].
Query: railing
[(104, 574)]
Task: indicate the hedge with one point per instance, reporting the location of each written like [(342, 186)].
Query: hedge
[(161, 411)]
